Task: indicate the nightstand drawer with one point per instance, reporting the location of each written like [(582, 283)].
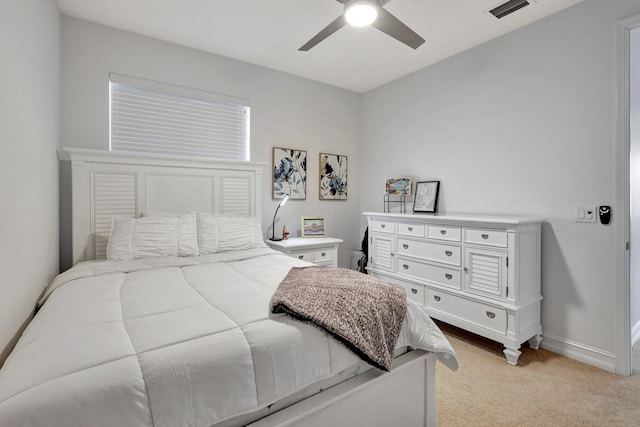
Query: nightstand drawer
[(303, 255), (319, 250), (485, 237), (323, 255)]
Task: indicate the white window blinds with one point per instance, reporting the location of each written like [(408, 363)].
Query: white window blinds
[(154, 117)]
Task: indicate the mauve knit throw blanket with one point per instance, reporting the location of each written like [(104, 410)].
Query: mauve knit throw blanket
[(361, 311)]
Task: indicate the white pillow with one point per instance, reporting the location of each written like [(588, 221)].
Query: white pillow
[(239, 233), (134, 238), (207, 233), (187, 231), (220, 233), (119, 245)]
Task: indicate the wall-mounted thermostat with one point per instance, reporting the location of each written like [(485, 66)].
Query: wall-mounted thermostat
[(604, 212)]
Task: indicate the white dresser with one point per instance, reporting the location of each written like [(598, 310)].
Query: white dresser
[(319, 250), (479, 273)]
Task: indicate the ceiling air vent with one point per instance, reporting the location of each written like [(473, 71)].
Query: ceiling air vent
[(507, 8)]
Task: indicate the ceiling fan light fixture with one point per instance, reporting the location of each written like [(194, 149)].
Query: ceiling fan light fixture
[(361, 13)]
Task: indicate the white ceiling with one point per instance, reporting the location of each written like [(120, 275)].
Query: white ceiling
[(269, 32)]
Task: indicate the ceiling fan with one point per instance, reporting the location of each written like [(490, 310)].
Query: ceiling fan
[(360, 13)]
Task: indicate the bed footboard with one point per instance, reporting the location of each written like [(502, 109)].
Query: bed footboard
[(405, 396)]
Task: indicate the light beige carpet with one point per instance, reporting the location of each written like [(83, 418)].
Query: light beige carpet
[(545, 389)]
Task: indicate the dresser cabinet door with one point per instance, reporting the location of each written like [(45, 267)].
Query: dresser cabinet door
[(485, 272), (382, 252)]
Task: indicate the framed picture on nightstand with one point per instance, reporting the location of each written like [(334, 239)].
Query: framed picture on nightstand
[(313, 226)]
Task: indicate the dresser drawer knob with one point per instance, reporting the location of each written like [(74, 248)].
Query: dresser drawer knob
[(405, 266), (405, 246), (300, 256), (414, 291), (323, 254), (490, 315), (443, 232), (382, 226), (484, 236), (448, 276), (410, 228), (436, 297), (448, 253)]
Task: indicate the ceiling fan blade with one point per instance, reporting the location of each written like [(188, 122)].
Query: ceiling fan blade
[(326, 32), (389, 24)]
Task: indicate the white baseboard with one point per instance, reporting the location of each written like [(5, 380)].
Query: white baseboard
[(582, 353), (635, 333)]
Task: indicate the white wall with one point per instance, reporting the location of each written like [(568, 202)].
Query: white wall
[(29, 132), (286, 111), (523, 124), (635, 182)]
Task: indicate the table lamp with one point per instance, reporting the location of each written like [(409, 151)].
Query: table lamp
[(273, 228)]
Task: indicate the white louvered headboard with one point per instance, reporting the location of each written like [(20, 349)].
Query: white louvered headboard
[(105, 184)]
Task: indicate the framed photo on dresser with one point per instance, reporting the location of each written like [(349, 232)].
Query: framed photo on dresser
[(426, 198)]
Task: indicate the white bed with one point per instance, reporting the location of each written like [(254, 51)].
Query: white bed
[(189, 340)]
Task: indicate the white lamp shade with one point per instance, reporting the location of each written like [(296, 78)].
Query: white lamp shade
[(361, 13)]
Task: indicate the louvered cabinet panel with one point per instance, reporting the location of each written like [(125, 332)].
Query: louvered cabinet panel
[(113, 195), (382, 252), (485, 272)]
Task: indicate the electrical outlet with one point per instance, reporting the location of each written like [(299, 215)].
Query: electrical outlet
[(586, 214)]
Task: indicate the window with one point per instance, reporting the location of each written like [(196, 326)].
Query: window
[(155, 117)]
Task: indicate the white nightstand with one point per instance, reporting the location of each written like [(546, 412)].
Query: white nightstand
[(319, 250)]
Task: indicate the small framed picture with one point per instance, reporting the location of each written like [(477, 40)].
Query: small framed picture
[(313, 226), (426, 198), (398, 186)]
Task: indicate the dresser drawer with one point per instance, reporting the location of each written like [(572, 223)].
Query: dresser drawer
[(439, 252), (414, 292), (450, 277), (382, 226), (411, 229), (444, 232), (323, 255), (478, 313), (486, 237), (303, 255)]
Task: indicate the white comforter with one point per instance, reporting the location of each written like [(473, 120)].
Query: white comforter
[(171, 342)]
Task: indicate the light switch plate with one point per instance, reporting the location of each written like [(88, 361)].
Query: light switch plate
[(586, 214)]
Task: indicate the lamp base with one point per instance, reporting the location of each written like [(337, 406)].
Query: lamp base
[(275, 239)]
